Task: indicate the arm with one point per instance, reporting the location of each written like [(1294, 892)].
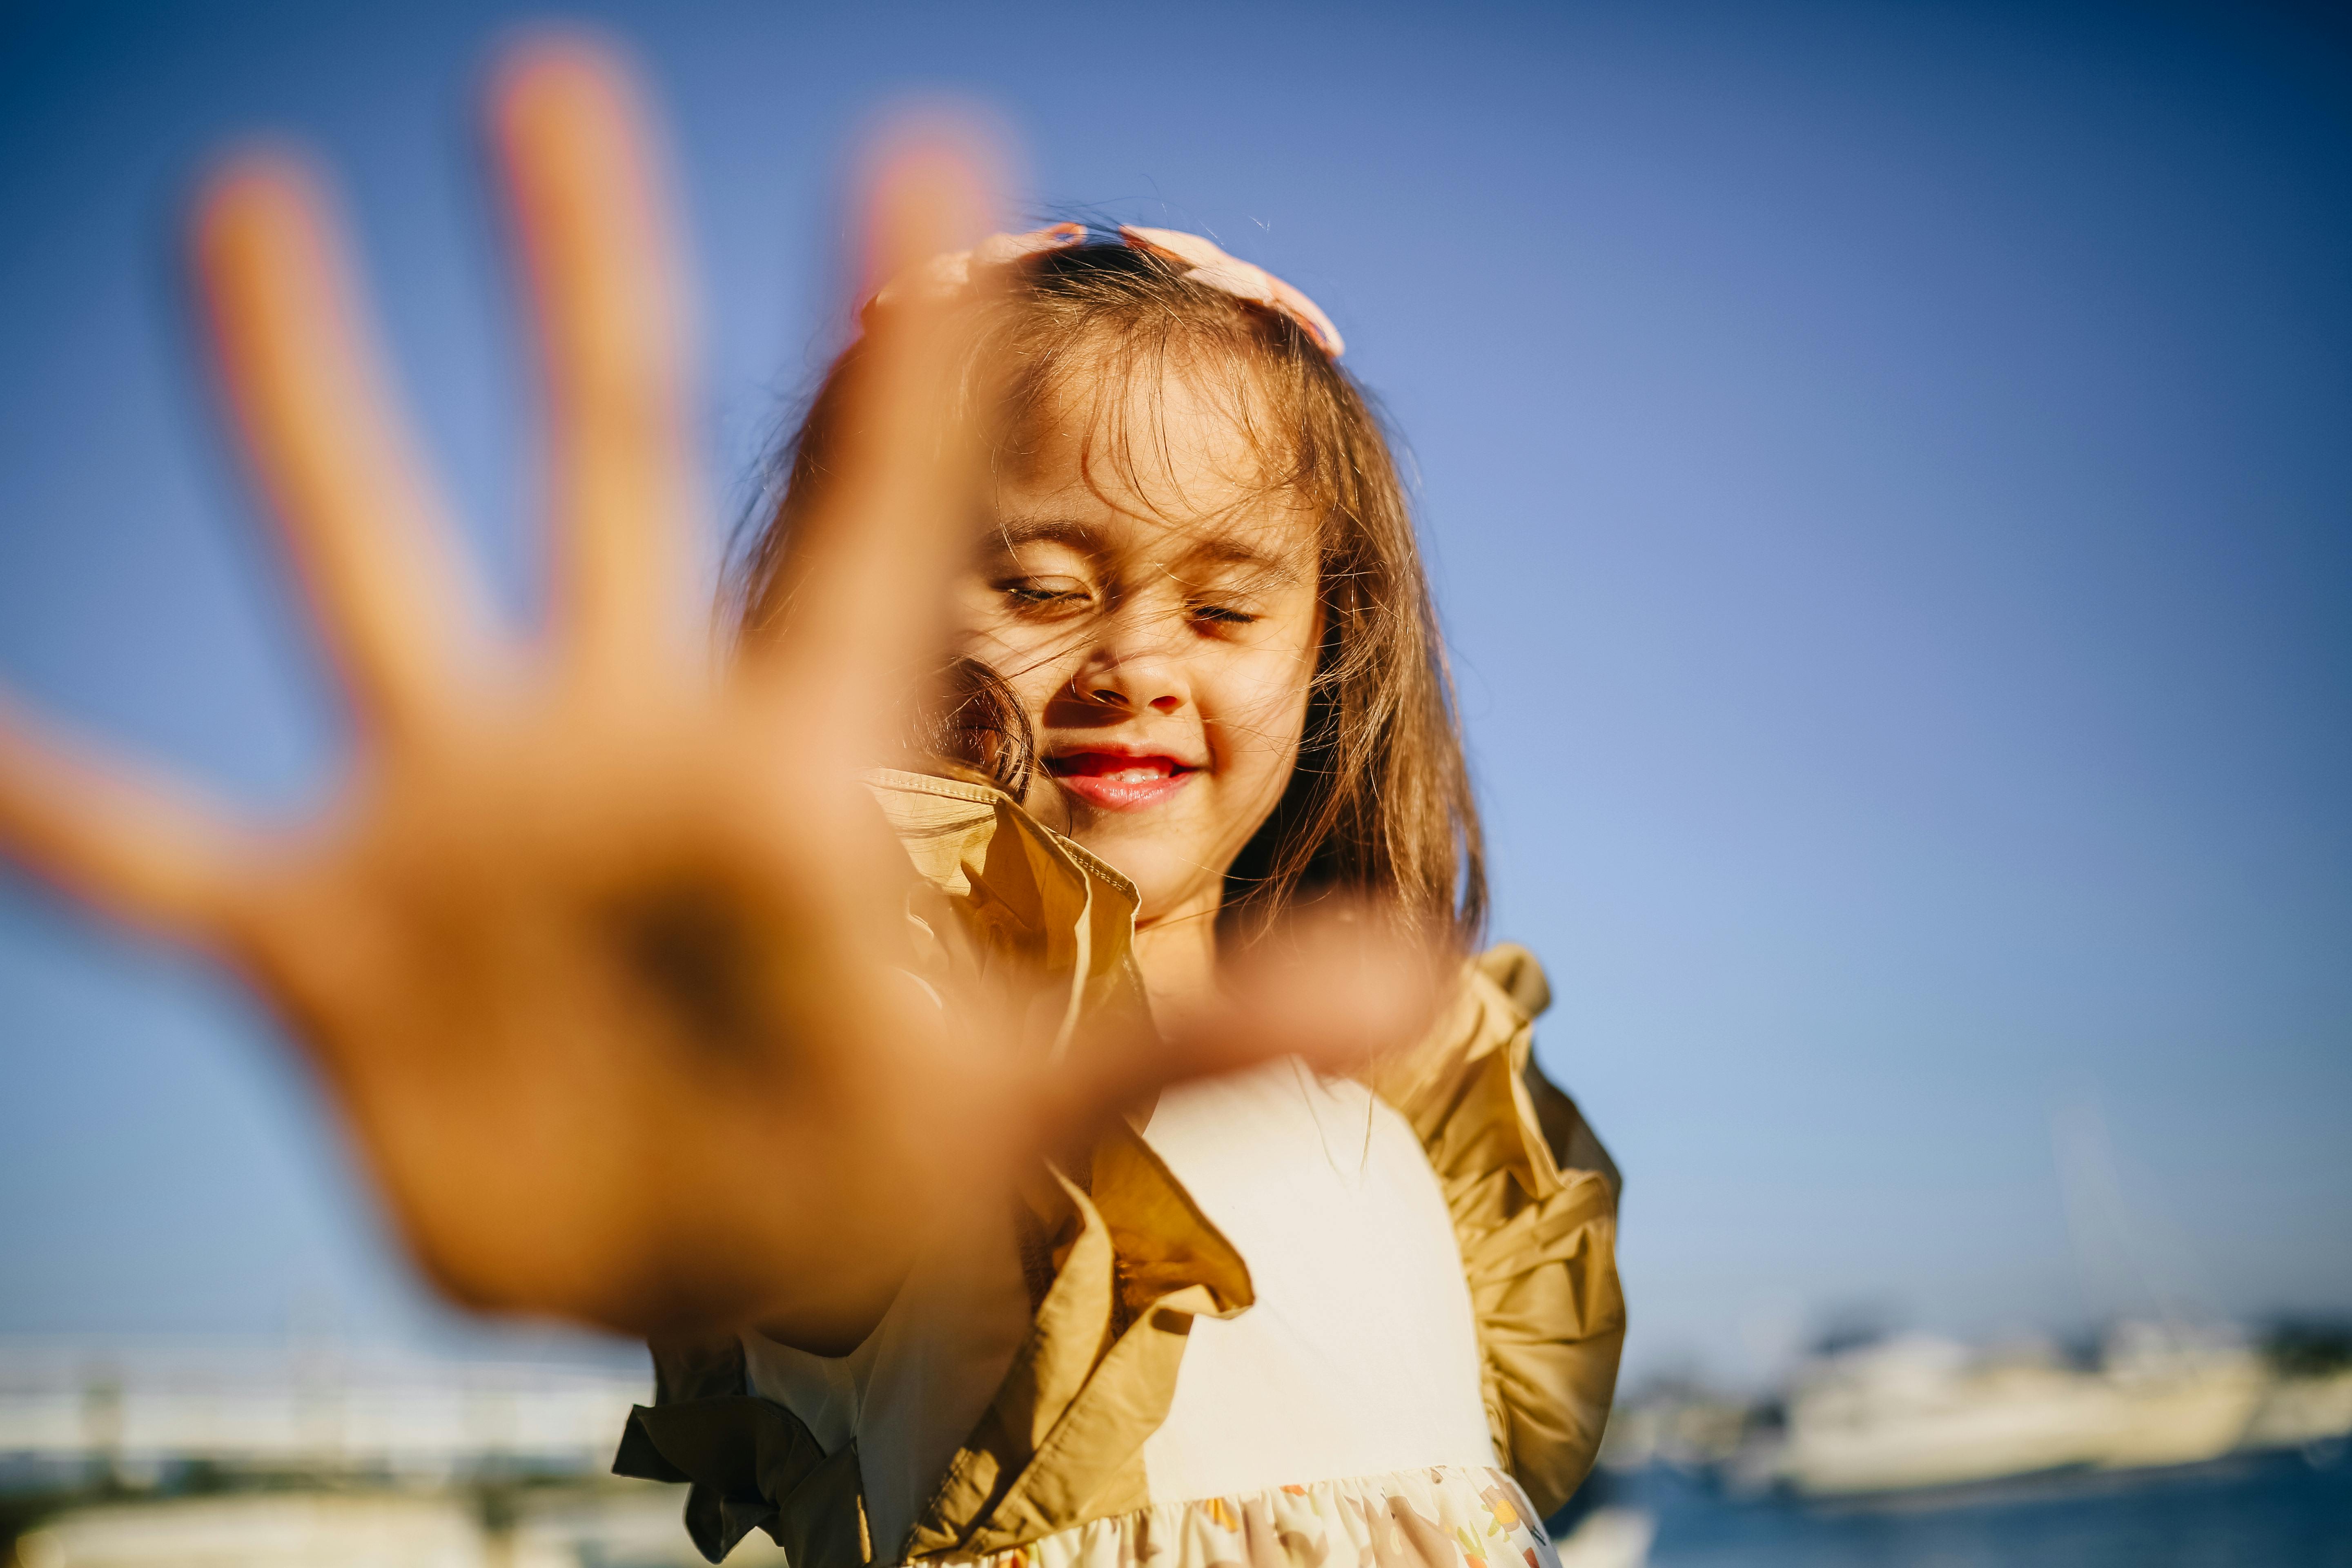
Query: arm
[(596, 948)]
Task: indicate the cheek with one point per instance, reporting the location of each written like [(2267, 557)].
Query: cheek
[(1261, 715), (1034, 661)]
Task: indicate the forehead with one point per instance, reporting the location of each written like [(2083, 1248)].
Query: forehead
[(1163, 456)]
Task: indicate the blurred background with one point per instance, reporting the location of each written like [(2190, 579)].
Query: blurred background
[(1889, 472)]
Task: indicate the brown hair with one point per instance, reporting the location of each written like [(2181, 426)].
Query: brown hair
[(1380, 802)]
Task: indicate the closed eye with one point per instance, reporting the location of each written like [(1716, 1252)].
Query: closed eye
[(1040, 592)]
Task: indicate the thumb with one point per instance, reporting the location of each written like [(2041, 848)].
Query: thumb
[(1337, 986)]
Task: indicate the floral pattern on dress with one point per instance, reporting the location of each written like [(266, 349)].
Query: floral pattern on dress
[(1441, 1517)]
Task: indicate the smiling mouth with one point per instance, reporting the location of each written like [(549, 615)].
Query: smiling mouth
[(1117, 781)]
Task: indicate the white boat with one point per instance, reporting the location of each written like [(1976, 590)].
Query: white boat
[(1917, 1412)]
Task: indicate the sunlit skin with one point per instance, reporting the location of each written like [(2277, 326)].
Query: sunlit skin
[(1160, 626)]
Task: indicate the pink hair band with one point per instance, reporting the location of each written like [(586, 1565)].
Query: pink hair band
[(1197, 260)]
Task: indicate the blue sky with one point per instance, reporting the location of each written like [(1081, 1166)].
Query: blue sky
[(1885, 467)]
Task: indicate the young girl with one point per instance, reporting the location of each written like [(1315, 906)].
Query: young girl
[(948, 1250)]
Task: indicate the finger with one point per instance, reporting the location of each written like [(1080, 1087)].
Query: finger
[(143, 850), (607, 295), (870, 565), (1340, 986), (321, 430)]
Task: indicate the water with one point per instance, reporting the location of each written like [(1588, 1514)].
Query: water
[(2266, 1510)]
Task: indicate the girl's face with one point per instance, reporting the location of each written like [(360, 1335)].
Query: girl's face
[(1160, 625)]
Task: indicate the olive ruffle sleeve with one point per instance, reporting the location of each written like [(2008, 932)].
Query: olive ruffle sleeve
[(1534, 1201), (1062, 1444), (750, 1463)]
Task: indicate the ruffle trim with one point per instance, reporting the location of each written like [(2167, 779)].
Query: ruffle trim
[(751, 1465), (1006, 903), (1438, 1518)]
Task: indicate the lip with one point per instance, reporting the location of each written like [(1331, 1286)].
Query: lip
[(1113, 778)]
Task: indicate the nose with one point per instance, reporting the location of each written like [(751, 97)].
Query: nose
[(1131, 669)]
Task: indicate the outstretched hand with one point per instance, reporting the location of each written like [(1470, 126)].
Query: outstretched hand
[(595, 947)]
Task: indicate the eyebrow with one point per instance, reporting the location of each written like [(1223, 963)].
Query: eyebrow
[(1011, 533)]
